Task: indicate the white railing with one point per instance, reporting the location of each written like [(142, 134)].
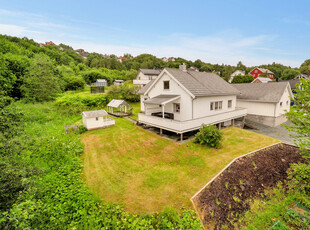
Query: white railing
[(149, 111), (189, 125)]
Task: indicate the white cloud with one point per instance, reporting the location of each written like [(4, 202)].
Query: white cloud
[(14, 30)]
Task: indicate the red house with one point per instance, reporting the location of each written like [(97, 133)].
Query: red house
[(257, 72)]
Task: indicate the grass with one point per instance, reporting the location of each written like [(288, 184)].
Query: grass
[(145, 172), (136, 108)]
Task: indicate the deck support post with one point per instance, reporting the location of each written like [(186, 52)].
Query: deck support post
[(181, 136), (160, 131), (163, 110), (220, 126), (243, 121), (233, 122)]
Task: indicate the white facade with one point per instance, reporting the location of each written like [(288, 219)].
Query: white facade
[(96, 119), (189, 112), (97, 122), (143, 79)]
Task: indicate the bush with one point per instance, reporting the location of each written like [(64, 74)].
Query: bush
[(299, 177), (243, 79), (74, 83), (210, 136), (80, 102), (126, 92)]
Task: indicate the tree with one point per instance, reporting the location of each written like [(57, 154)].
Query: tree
[(299, 115), (227, 73), (305, 67), (243, 79), (289, 74), (240, 66), (42, 83)]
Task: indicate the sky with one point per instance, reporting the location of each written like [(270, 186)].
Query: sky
[(226, 31)]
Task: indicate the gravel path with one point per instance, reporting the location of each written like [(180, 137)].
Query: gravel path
[(279, 132)]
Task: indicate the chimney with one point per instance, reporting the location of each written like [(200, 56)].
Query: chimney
[(182, 67)]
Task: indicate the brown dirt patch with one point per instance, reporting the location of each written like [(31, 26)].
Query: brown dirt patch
[(229, 195)]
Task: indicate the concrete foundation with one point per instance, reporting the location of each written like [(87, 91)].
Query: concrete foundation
[(265, 120)]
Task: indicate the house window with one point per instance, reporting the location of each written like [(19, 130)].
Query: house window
[(229, 103), (281, 104), (177, 107), (166, 84), (97, 118), (216, 105), (256, 71)]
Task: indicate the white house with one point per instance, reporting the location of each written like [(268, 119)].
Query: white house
[(237, 72), (144, 76), (96, 119), (262, 80), (118, 82), (181, 101), (265, 103)]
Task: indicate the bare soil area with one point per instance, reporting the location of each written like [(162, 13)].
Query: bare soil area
[(229, 195)]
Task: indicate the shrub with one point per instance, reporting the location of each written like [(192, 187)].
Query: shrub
[(210, 136), (243, 79), (299, 177), (80, 102), (127, 92)]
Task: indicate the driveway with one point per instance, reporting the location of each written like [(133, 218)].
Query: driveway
[(279, 132)]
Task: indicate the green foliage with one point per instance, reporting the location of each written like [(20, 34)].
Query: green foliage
[(80, 102), (210, 136), (42, 82), (296, 220), (243, 79), (299, 177), (299, 115), (289, 74), (127, 92), (305, 67), (58, 198)]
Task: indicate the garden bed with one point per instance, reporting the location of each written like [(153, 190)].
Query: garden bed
[(228, 195)]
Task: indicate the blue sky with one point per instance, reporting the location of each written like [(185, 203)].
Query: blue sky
[(255, 32)]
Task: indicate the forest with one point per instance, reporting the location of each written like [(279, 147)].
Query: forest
[(40, 164)]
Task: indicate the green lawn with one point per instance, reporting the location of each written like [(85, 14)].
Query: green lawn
[(146, 172), (136, 108)]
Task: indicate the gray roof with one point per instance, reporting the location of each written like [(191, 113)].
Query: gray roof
[(162, 99), (203, 83), (292, 83), (146, 87), (118, 80), (95, 113), (271, 92), (116, 103), (151, 71)]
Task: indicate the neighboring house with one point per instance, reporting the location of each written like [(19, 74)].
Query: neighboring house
[(261, 80), (237, 72), (181, 101), (144, 76), (164, 59), (265, 103), (193, 68), (101, 82), (96, 119), (256, 72), (48, 44), (118, 82), (304, 76)]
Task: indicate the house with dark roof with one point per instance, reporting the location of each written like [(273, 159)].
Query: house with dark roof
[(181, 101), (257, 72), (265, 103), (144, 76)]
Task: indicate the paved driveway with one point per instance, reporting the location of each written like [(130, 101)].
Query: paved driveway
[(279, 132)]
